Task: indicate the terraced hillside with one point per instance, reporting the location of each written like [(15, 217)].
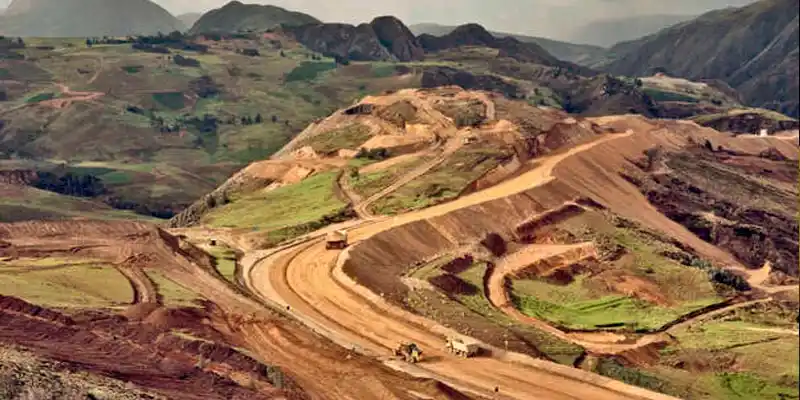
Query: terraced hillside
[(613, 258)]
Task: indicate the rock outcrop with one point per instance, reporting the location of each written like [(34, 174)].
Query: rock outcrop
[(397, 38), (445, 76), (383, 39)]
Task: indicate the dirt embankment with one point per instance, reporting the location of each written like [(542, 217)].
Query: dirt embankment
[(395, 250), (144, 354), (140, 346)]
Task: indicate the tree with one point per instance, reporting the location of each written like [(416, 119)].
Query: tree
[(88, 42), (274, 119), (259, 119)]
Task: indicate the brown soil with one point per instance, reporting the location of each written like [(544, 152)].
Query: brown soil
[(618, 281), (138, 346), (147, 358), (453, 285)]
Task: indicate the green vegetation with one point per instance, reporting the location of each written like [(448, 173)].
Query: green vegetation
[(769, 114), (369, 184), (606, 312), (664, 95), (747, 386), (474, 315), (132, 69), (443, 183), (57, 282), (633, 376), (383, 70), (39, 97), (171, 292), (226, 261), (284, 212), (309, 70), (31, 203), (170, 100), (349, 137)]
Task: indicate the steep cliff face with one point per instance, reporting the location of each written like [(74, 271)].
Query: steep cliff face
[(397, 38), (383, 39)]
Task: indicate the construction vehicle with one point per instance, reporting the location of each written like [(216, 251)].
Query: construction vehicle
[(336, 240), (462, 348), (409, 352)]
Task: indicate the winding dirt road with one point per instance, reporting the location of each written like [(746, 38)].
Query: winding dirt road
[(307, 281)]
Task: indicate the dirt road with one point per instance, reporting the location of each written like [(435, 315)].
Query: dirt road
[(305, 280)]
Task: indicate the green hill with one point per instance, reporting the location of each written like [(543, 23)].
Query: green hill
[(81, 18), (236, 16), (581, 54), (754, 49)]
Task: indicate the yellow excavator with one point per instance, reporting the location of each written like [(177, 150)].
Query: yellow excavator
[(409, 352)]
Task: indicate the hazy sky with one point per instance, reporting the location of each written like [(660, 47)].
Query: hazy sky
[(552, 18)]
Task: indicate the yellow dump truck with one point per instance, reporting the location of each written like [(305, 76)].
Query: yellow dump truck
[(462, 348), (336, 240)]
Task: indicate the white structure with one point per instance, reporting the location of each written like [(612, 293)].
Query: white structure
[(762, 133)]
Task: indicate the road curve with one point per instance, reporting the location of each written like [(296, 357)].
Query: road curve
[(303, 279)]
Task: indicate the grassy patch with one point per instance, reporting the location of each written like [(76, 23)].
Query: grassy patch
[(308, 71), (558, 350), (747, 386), (117, 178), (369, 184), (348, 137), (633, 376), (132, 69), (769, 114), (444, 182), (283, 208), (170, 100), (605, 312), (226, 262), (39, 97), (88, 285), (172, 293), (663, 95), (474, 316), (383, 70)]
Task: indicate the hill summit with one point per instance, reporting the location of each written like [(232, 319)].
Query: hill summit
[(75, 18), (237, 16)]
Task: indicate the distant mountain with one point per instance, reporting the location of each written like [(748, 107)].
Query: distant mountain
[(608, 32), (189, 19), (236, 16), (753, 48), (580, 54), (384, 39), (76, 18), (476, 35)]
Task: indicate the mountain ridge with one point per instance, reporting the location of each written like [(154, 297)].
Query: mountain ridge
[(67, 18), (752, 48)]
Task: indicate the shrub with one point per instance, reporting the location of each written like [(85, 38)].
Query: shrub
[(185, 61)]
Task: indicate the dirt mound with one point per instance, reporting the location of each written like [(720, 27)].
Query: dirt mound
[(174, 367), (459, 264), (617, 281)]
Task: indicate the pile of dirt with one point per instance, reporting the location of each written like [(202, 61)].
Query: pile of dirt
[(148, 357)]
